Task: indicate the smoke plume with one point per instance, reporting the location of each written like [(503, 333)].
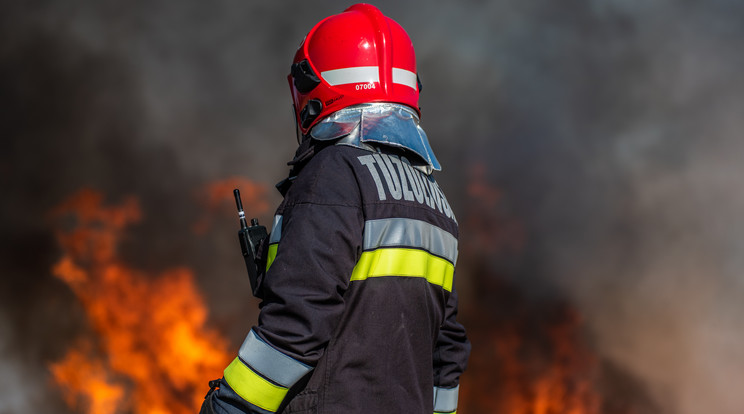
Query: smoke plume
[(609, 132)]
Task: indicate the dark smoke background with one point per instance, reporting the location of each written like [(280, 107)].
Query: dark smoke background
[(612, 129)]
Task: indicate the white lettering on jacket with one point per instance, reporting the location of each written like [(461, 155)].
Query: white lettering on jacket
[(401, 180)]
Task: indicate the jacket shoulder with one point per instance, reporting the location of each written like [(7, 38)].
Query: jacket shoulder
[(328, 178)]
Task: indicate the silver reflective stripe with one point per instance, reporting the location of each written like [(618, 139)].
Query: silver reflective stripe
[(405, 77), (367, 74), (445, 399), (401, 232), (271, 363), (276, 230), (359, 74)]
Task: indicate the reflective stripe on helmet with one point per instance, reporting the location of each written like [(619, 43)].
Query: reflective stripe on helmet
[(262, 375), (367, 74), (405, 77), (359, 74), (445, 400)]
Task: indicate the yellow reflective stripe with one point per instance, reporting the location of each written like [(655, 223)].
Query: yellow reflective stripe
[(437, 412), (272, 255), (254, 388), (405, 262)]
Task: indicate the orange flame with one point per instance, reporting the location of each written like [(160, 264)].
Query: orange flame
[(529, 367), (529, 355), (153, 353), (79, 375)]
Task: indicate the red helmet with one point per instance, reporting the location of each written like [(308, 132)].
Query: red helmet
[(355, 57)]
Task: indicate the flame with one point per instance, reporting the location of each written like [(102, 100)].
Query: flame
[(80, 375), (557, 380), (152, 352), (530, 356), (524, 366)]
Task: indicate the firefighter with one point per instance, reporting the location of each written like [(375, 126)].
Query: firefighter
[(358, 311)]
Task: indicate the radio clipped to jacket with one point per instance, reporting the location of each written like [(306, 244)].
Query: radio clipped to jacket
[(250, 238)]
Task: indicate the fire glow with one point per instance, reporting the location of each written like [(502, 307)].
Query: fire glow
[(218, 194), (529, 356), (152, 352)]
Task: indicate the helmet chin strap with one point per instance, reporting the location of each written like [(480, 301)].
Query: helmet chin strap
[(298, 134)]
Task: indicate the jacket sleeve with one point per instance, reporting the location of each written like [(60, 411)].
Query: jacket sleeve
[(320, 240), (450, 359)]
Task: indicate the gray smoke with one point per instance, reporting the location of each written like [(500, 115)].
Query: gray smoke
[(612, 128)]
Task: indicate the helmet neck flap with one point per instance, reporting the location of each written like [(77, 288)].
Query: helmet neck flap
[(387, 124)]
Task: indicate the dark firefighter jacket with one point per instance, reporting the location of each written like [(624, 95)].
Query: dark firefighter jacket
[(359, 303)]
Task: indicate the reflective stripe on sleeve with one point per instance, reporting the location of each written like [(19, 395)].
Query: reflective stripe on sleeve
[(271, 256), (262, 375), (445, 400), (274, 238), (395, 232), (407, 247), (276, 229), (270, 362), (254, 388), (404, 262)]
